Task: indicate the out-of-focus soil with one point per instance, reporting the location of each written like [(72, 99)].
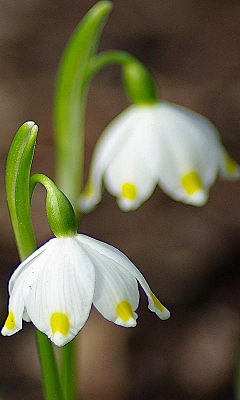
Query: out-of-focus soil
[(190, 256)]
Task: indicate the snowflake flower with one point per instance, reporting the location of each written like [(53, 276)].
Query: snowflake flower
[(160, 143), (56, 286)]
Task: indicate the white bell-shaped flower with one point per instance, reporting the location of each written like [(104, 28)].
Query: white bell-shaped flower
[(56, 286), (163, 144)]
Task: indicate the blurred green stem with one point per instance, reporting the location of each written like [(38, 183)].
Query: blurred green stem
[(237, 378), (107, 58), (138, 82), (69, 122)]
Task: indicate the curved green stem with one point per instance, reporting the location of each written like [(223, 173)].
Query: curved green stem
[(138, 81), (17, 187), (107, 58)]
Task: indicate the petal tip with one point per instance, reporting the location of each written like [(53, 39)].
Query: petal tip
[(130, 323), (157, 307), (86, 204), (198, 199), (163, 315), (9, 332), (5, 331), (127, 205), (60, 340), (229, 168)]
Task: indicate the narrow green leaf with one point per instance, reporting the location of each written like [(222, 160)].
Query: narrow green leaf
[(70, 100), (17, 186)]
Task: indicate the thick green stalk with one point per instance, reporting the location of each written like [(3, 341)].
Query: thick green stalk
[(69, 370), (17, 187), (49, 369)]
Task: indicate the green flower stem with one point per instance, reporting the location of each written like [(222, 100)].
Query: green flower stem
[(107, 58), (62, 221), (69, 121), (69, 370), (52, 384), (17, 187), (237, 378), (70, 101), (138, 81)]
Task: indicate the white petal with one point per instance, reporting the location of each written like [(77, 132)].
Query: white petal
[(116, 294), (229, 169), (136, 165), (59, 292), (129, 178), (26, 264), (109, 143), (189, 148), (16, 308), (116, 255)]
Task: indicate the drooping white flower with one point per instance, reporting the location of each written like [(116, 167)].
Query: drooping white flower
[(56, 286), (163, 144)]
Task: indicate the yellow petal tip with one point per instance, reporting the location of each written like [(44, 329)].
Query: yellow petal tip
[(129, 191), (231, 166), (89, 190), (191, 182), (10, 322), (160, 310), (59, 323), (124, 311)]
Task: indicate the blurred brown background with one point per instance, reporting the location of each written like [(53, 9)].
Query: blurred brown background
[(190, 256)]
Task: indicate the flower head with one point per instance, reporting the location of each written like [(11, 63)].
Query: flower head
[(56, 286), (163, 144)]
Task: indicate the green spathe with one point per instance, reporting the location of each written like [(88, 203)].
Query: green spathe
[(60, 214), (139, 83)]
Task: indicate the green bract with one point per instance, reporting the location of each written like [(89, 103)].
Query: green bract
[(139, 83), (60, 213)]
